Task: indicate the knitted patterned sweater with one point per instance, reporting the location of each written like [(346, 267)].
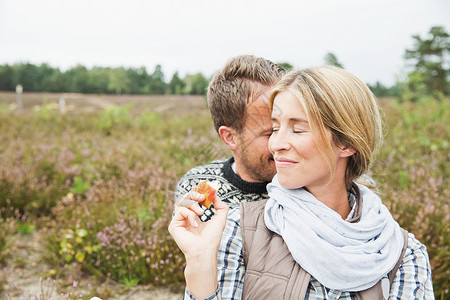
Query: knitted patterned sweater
[(233, 189)]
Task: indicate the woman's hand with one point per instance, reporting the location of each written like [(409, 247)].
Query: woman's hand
[(199, 241)]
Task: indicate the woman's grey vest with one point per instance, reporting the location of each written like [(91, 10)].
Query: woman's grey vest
[(271, 271)]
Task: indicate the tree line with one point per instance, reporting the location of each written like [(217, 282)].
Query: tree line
[(99, 80), (427, 64)]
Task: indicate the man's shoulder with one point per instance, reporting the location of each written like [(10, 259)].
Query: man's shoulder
[(233, 190), (209, 170)]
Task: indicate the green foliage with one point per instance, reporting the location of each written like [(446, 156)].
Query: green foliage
[(80, 186), (196, 84), (130, 282), (413, 175), (138, 81), (331, 59), (25, 227), (47, 111), (381, 90), (31, 183), (156, 84), (6, 78), (118, 81), (79, 79), (285, 65), (114, 117), (27, 75), (176, 85), (429, 60), (7, 228), (99, 80), (75, 245)]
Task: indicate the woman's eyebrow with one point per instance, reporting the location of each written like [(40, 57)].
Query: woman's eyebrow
[(292, 120), (298, 120)]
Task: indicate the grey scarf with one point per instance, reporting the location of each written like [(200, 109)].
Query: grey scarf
[(341, 255)]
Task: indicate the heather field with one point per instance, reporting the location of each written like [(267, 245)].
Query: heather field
[(86, 194)]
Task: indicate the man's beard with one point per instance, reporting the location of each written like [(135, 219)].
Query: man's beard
[(261, 169)]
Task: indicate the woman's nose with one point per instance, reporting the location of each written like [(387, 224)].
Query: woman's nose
[(279, 141)]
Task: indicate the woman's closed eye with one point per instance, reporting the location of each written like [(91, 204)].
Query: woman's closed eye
[(296, 130)]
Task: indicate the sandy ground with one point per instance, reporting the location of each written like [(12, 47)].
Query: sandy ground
[(25, 269)]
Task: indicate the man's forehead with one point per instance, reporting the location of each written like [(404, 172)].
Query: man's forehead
[(257, 112), (257, 117), (260, 105), (261, 97)]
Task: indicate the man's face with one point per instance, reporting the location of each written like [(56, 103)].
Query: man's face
[(254, 162)]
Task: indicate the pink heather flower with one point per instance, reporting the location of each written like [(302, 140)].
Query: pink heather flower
[(85, 152)]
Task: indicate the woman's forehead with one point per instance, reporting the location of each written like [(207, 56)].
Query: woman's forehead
[(287, 105)]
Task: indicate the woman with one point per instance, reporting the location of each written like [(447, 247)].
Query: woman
[(320, 235)]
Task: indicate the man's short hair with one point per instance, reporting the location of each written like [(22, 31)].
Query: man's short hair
[(240, 82)]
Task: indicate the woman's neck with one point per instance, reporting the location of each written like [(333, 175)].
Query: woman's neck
[(335, 197)]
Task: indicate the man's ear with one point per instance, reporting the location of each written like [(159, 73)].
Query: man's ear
[(347, 151), (229, 137)]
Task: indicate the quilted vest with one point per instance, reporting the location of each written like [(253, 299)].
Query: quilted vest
[(271, 271)]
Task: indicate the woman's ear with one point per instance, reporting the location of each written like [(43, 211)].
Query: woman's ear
[(229, 137), (347, 151)]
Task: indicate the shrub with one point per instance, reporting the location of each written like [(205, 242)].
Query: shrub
[(413, 175), (7, 227), (102, 195), (128, 241)]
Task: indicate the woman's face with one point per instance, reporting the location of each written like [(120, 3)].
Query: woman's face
[(297, 158)]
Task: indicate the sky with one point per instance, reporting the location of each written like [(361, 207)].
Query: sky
[(368, 37)]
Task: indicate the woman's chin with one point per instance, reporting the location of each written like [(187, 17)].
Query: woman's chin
[(288, 182)]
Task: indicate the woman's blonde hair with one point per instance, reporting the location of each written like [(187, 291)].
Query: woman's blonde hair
[(336, 99)]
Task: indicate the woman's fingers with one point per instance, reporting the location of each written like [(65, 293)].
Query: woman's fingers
[(219, 204), (191, 200), (221, 211), (189, 215), (196, 196), (185, 202), (183, 215)]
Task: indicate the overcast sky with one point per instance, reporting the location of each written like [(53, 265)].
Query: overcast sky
[(368, 37)]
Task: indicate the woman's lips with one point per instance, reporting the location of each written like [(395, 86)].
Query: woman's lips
[(282, 162)]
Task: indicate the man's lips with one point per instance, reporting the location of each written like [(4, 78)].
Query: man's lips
[(283, 162)]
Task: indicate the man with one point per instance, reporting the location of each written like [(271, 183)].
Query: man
[(238, 101)]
